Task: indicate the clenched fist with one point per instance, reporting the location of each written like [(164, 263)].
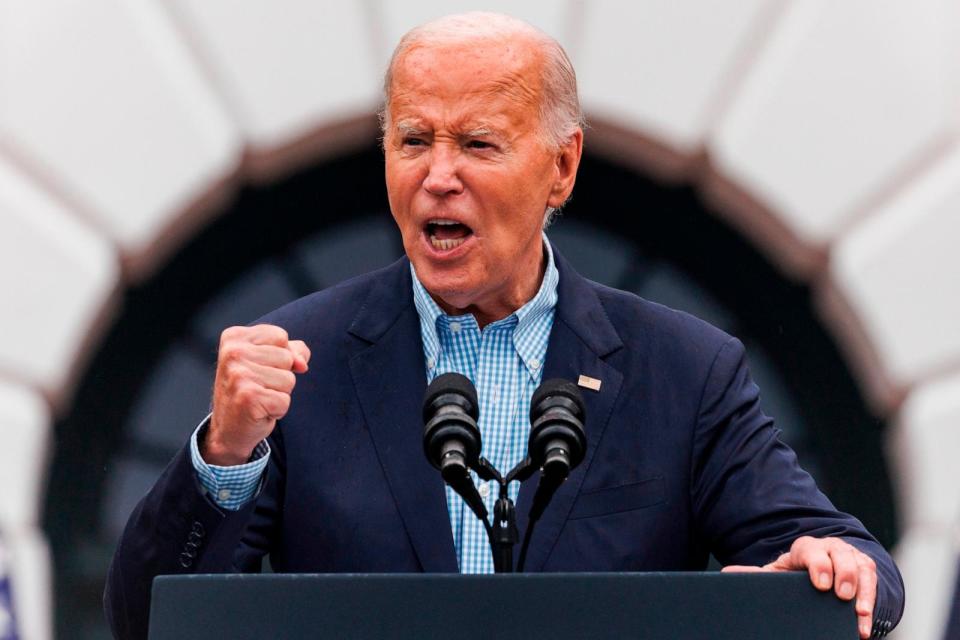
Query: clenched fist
[(255, 377)]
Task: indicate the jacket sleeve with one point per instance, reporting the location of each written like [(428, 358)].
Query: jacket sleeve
[(749, 494), (178, 529)]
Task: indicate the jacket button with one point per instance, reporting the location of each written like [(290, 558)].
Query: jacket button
[(197, 528), (186, 560)]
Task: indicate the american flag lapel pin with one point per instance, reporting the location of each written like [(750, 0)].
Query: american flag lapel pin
[(589, 383)]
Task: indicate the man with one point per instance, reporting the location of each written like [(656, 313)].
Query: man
[(482, 140)]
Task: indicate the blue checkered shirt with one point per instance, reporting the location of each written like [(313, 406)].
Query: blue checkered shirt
[(505, 363), (230, 487)]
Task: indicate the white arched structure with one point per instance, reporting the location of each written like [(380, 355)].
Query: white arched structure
[(826, 132)]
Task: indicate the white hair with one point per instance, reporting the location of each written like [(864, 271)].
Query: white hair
[(560, 112)]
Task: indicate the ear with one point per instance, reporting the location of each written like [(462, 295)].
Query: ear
[(567, 162)]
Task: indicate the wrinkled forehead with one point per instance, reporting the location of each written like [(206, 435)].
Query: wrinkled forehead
[(510, 68)]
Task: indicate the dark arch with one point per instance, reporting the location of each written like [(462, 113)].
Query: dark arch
[(653, 225)]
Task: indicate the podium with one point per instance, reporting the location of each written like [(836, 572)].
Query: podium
[(652, 606)]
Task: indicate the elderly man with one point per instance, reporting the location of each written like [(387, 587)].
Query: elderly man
[(482, 140)]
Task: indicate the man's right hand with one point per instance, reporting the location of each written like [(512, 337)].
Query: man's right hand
[(255, 377)]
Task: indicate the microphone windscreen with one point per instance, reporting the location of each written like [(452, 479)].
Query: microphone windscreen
[(451, 383), (556, 387)]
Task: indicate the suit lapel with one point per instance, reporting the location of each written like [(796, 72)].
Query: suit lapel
[(581, 337), (388, 372)]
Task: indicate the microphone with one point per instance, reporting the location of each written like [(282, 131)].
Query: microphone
[(557, 445), (451, 438), (557, 441), (451, 441)]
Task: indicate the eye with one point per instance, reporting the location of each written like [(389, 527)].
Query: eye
[(479, 144), (413, 142)]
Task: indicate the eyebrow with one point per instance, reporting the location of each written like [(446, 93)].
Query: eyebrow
[(479, 132), (409, 129)]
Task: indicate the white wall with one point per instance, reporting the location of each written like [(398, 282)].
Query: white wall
[(826, 132)]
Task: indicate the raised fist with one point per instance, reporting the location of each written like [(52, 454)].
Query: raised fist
[(255, 377)]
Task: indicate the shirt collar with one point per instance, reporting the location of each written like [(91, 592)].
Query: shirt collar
[(546, 298), (529, 317)]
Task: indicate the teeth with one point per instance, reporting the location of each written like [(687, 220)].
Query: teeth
[(446, 245), (443, 222)]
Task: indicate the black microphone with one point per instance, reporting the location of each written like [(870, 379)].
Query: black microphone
[(557, 445), (557, 440), (451, 438)]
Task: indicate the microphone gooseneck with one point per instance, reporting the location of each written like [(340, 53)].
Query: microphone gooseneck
[(451, 442)]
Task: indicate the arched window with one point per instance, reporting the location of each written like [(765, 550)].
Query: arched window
[(149, 384)]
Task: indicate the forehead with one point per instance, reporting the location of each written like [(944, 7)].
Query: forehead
[(483, 79)]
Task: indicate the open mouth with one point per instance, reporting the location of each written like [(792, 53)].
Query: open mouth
[(447, 234)]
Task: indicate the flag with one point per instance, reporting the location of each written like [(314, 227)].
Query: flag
[(8, 628)]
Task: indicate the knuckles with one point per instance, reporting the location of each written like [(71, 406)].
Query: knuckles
[(300, 347), (233, 372), (270, 334), (803, 543), (278, 334), (286, 359), (246, 394), (287, 381), (254, 372), (232, 353), (230, 334), (279, 405), (265, 333)]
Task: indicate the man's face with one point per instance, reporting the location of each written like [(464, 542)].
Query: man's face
[(468, 174)]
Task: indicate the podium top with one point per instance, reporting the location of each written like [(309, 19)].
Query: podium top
[(653, 606)]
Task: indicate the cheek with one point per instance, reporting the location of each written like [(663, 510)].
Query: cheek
[(529, 187), (401, 189)]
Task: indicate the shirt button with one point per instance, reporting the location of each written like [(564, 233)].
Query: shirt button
[(534, 363), (455, 327), (431, 363), (484, 489), (223, 494)]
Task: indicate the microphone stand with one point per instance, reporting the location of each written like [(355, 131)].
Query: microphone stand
[(452, 445), (503, 535)]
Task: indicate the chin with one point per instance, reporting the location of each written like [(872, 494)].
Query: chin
[(454, 292)]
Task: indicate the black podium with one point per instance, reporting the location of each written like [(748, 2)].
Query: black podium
[(652, 606)]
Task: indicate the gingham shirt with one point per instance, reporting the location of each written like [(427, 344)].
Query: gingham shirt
[(505, 363), (230, 487)]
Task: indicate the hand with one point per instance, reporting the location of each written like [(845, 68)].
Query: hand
[(831, 562), (255, 376)]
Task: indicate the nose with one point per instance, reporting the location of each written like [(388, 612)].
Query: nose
[(443, 176)]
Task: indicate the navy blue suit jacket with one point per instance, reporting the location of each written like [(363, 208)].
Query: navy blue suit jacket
[(681, 462)]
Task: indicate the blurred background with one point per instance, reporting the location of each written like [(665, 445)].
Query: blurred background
[(788, 170)]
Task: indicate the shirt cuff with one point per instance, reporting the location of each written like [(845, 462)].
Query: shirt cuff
[(230, 487)]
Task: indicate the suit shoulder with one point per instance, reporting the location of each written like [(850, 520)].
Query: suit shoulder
[(642, 321), (333, 307)]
